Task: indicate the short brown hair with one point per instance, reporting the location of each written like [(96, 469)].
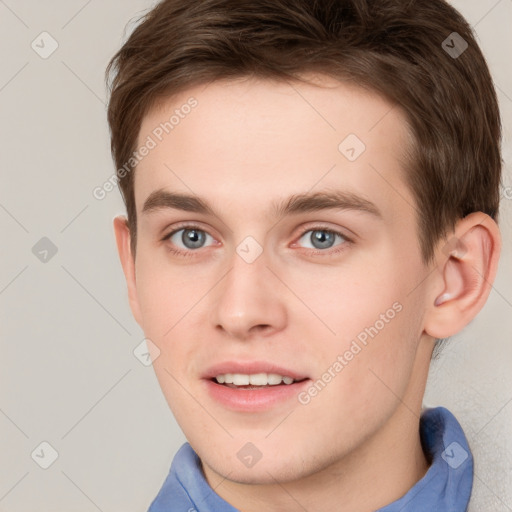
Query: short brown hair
[(405, 50)]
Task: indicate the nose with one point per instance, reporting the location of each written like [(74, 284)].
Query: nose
[(249, 300)]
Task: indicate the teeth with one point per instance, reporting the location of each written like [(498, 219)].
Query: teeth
[(255, 379), (273, 379), (258, 379), (240, 380)]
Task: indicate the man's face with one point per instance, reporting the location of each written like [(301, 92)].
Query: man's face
[(296, 255)]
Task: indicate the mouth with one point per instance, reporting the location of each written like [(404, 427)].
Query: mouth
[(253, 387), (254, 380)]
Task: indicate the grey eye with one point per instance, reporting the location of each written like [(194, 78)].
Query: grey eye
[(189, 238), (321, 238)]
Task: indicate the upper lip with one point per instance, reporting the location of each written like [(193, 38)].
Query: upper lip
[(251, 368)]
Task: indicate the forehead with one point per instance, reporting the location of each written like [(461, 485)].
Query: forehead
[(262, 139)]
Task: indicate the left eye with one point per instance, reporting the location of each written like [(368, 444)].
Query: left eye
[(321, 238), (190, 238)]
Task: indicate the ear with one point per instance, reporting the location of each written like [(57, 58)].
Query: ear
[(467, 266), (123, 239)]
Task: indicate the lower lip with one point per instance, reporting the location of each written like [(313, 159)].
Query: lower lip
[(253, 400)]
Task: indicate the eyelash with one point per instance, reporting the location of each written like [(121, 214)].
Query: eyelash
[(191, 253)]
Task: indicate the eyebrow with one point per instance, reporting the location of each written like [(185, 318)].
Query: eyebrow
[(297, 203)]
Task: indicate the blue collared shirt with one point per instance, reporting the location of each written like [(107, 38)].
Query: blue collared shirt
[(446, 486)]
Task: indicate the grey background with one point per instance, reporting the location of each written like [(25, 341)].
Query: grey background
[(68, 373)]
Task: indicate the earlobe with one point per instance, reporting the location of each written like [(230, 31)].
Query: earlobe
[(123, 239), (467, 265)]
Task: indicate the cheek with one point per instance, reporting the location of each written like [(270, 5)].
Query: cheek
[(347, 300), (170, 304), (370, 381), (166, 295), (375, 326)]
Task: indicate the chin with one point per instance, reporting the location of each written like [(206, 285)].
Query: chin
[(269, 471), (261, 476)]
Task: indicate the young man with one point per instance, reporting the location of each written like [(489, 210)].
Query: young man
[(312, 190)]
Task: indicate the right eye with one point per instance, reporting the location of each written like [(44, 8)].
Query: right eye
[(189, 238)]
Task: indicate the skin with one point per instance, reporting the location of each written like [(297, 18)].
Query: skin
[(248, 144)]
